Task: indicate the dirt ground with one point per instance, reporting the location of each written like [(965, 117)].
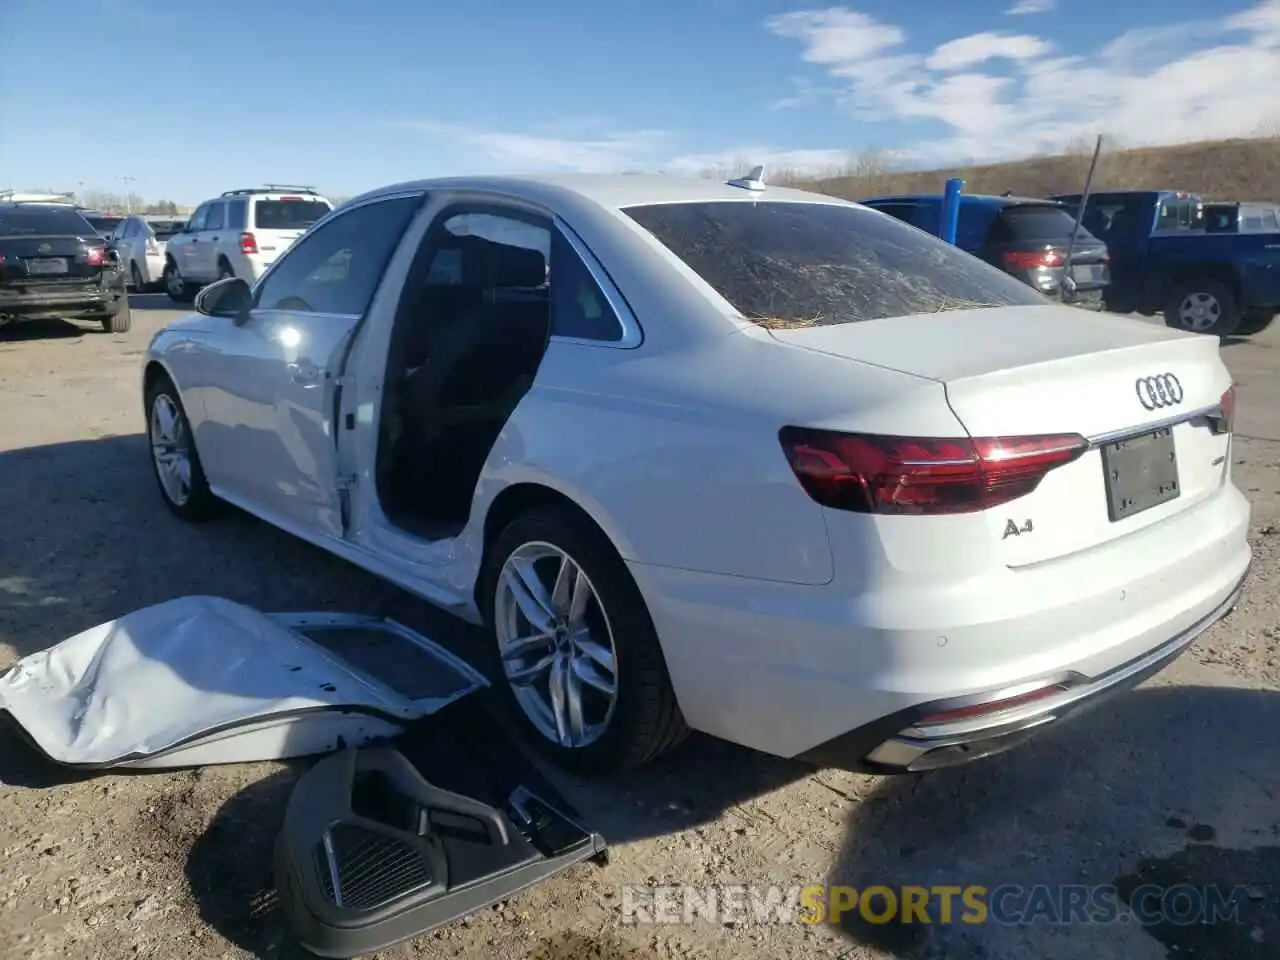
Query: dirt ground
[(1178, 782)]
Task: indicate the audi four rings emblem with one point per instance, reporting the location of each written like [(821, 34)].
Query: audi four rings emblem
[(1162, 390)]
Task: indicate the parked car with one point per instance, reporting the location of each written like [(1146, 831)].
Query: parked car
[(1030, 239), (141, 241), (54, 264), (753, 461), (1164, 261), (239, 234)]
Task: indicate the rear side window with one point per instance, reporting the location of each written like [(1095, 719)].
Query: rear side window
[(1034, 224), (785, 264), (235, 214), (33, 221), (164, 229), (287, 214), (104, 225)]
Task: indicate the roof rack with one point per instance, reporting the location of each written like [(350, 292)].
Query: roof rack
[(272, 187), (16, 196)]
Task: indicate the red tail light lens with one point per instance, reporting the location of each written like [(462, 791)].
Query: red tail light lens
[(1227, 404), (1032, 259), (248, 243), (95, 256), (922, 475)]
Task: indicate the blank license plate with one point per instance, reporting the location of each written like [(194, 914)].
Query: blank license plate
[(43, 267), (1088, 273), (1140, 473)]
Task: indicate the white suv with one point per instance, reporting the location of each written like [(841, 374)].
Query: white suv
[(239, 234)]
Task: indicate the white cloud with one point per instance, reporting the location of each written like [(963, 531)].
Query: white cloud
[(1168, 84), (580, 150), (978, 48), (1024, 7)]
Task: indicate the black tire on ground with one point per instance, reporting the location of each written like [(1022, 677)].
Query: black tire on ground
[(647, 721), (1220, 297), (135, 277), (181, 292), (200, 504), (1255, 321), (120, 319)]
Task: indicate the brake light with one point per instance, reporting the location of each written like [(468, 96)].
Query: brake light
[(1227, 404), (248, 243), (1032, 259), (95, 256), (290, 199), (922, 475)]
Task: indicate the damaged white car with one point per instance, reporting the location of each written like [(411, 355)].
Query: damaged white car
[(721, 456)]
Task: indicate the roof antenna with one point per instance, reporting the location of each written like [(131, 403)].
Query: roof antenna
[(752, 181)]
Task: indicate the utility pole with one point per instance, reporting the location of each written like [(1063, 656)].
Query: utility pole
[(128, 198)]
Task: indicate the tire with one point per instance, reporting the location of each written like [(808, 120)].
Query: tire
[(178, 289), (645, 720), (199, 503), (1222, 314), (1255, 321), (121, 320)]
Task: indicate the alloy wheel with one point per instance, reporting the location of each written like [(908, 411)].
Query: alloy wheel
[(1199, 312), (171, 449), (173, 282), (556, 645)]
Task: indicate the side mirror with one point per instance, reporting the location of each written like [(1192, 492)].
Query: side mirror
[(229, 298)]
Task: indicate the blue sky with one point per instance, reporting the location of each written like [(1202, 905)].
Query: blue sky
[(190, 98)]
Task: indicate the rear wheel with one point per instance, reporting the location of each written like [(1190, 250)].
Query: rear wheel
[(576, 650), (135, 277), (178, 289), (173, 455), (121, 319), (1203, 306)]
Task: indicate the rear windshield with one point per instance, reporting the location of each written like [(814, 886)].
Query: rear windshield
[(784, 264), (288, 214), (1036, 223), (36, 221), (104, 225), (164, 229)]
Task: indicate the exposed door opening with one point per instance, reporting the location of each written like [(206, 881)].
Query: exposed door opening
[(470, 333)]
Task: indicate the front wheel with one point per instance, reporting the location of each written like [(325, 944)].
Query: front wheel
[(119, 320), (576, 650), (1203, 306), (178, 289), (174, 459)]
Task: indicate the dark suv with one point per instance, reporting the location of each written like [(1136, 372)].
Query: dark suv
[(1025, 237), (53, 263)]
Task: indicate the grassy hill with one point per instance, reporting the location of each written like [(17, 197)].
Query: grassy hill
[(1218, 170)]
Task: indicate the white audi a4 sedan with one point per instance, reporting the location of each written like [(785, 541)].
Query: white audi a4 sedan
[(725, 457)]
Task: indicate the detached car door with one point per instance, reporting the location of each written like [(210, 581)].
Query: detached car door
[(268, 439)]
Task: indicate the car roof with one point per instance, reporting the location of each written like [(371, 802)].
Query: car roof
[(36, 205), (612, 191), (974, 199)]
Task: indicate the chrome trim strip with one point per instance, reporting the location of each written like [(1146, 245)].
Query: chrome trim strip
[(1128, 433), (913, 743)]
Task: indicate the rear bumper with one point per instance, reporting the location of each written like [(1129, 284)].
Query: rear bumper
[(41, 303), (831, 673), (918, 746)]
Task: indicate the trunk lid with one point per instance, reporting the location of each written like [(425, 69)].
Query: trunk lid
[(31, 260), (1021, 371)]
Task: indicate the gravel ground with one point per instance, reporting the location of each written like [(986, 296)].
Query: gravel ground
[(1179, 782)]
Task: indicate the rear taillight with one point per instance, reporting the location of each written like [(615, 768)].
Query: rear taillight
[(1032, 259), (95, 256), (1, 259), (1227, 404), (290, 199), (248, 243), (922, 475)]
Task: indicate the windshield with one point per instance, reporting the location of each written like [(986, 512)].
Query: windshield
[(104, 225), (784, 264), (288, 214), (46, 221)]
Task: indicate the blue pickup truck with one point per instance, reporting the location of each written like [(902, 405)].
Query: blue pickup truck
[(1165, 261)]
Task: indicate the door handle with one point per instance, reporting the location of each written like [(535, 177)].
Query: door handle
[(213, 238), (304, 372)]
